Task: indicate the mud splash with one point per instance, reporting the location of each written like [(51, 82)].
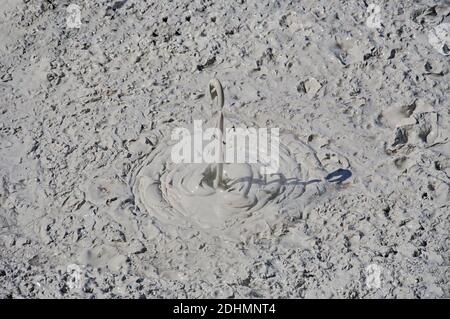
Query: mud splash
[(189, 193)]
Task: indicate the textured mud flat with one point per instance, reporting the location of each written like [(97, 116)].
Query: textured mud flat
[(84, 113)]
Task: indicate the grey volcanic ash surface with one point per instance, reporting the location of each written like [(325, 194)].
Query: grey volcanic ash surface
[(86, 112)]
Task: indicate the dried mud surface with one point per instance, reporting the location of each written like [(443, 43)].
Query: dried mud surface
[(82, 109)]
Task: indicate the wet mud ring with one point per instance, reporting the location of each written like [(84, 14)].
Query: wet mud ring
[(181, 194)]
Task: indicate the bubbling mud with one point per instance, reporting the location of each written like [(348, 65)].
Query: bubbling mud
[(185, 193), (189, 193)]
